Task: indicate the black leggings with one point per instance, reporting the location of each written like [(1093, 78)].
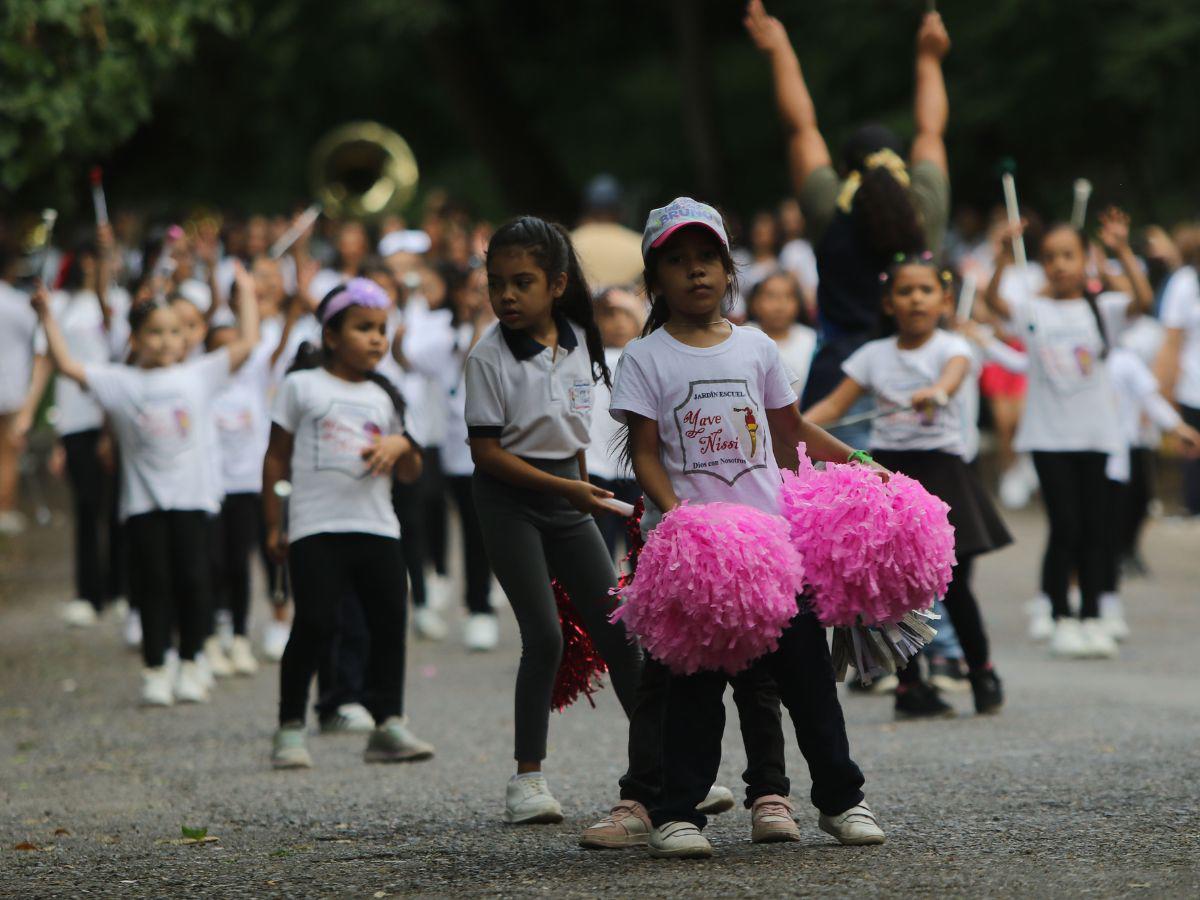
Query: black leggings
[(169, 580), (432, 489), (963, 609), (1191, 467), (479, 570), (99, 553), (235, 538), (1076, 493), (1135, 501), (406, 501), (328, 569)]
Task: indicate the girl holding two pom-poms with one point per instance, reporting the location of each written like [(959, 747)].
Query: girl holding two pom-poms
[(916, 376), (711, 412)]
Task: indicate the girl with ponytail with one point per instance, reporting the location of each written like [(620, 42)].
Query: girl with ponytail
[(529, 395)]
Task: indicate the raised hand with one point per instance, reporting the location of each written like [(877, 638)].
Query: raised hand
[(1114, 228), (765, 30), (933, 39)]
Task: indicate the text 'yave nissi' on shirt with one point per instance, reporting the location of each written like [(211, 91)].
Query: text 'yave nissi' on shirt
[(159, 417), (711, 407), (893, 374), (538, 404), (332, 422)]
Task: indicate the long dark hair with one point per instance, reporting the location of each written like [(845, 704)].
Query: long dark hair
[(310, 356), (883, 213), (660, 313), (551, 248)]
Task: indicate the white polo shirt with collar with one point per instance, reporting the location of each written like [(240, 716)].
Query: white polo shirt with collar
[(538, 405)]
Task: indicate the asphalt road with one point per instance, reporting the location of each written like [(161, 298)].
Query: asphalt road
[(1087, 784)]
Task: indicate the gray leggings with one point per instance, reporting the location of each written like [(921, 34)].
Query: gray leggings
[(531, 537)]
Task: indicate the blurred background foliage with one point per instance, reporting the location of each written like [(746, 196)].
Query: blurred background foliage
[(514, 105)]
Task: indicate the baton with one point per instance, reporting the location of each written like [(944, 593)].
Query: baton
[(292, 235), (283, 490)]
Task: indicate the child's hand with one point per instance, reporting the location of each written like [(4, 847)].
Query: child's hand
[(586, 497), (933, 39), (106, 452), (277, 546), (382, 456), (1005, 234), (104, 237), (245, 283), (1190, 438), (929, 397), (1114, 229), (40, 301), (765, 30), (885, 475)]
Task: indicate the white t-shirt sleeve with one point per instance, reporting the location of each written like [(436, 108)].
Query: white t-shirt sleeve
[(1180, 297), (485, 400), (858, 366), (1114, 313), (286, 410), (631, 391), (1008, 357), (778, 392), (106, 382), (212, 371)]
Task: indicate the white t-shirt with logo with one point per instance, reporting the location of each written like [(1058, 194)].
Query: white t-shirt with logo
[(159, 416), (1070, 404), (1138, 400), (242, 423), (711, 407), (539, 406), (1181, 309), (18, 324), (893, 375), (332, 422)]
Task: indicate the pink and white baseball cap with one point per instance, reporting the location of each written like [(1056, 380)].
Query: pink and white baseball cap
[(680, 212)]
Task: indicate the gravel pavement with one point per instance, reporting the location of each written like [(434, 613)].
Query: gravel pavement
[(1087, 784)]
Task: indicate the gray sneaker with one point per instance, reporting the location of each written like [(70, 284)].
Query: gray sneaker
[(288, 750), (393, 742)]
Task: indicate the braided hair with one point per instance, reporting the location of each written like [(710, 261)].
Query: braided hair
[(550, 246)]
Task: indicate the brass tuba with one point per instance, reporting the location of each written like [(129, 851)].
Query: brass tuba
[(362, 170)]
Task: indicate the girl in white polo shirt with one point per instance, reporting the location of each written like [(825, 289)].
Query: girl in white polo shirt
[(157, 408), (530, 392)]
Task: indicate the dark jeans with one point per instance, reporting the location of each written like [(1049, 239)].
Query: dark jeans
[(1191, 467), (326, 569), (1135, 500), (431, 488), (757, 701), (612, 528), (235, 538), (1076, 494), (406, 500), (479, 570), (169, 580), (99, 553), (694, 720), (965, 616)]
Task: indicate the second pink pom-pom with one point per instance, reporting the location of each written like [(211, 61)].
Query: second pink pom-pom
[(716, 585)]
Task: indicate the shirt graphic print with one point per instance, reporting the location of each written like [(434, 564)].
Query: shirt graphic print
[(719, 431), (343, 433)]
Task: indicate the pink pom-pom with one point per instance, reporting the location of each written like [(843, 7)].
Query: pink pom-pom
[(716, 585), (872, 551)]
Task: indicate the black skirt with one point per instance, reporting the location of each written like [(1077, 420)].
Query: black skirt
[(978, 527)]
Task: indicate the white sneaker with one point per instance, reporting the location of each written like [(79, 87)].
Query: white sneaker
[(528, 801), (393, 742), (428, 624), (439, 591), (131, 631), (350, 718), (204, 672), (719, 800), (189, 684), (288, 750), (1041, 618), (224, 628), (117, 610), (12, 523), (679, 840), (1068, 642), (1112, 614), (481, 633), (1015, 489), (275, 638), (241, 656), (1097, 639), (79, 614), (156, 687), (218, 662), (856, 827)]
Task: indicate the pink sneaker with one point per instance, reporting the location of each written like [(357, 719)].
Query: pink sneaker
[(627, 825), (772, 820)]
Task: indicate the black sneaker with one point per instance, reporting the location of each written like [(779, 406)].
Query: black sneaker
[(989, 697), (947, 676), (921, 701)]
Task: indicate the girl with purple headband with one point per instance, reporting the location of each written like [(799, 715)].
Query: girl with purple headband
[(338, 435)]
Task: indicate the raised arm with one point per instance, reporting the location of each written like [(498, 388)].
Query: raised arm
[(807, 150), (1114, 235), (55, 342), (104, 269), (247, 318), (931, 106), (836, 405)]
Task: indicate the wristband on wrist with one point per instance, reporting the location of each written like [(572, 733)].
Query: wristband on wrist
[(860, 456)]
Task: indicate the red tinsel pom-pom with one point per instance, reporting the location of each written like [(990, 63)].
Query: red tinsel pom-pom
[(581, 666)]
